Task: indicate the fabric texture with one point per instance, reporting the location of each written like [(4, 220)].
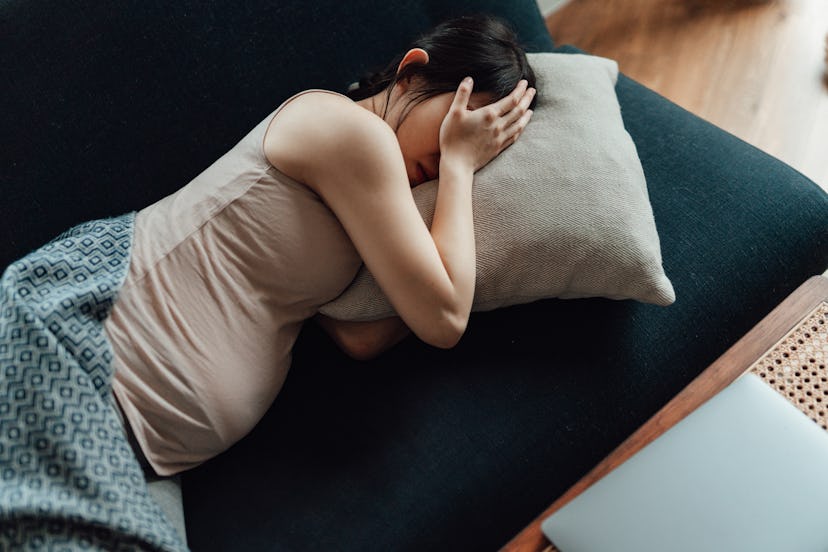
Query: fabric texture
[(564, 212), (166, 491), (69, 478)]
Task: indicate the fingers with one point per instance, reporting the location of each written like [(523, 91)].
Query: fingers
[(520, 108), (514, 131), (508, 103), (461, 98)]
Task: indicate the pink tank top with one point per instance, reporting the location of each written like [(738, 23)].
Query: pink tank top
[(223, 273)]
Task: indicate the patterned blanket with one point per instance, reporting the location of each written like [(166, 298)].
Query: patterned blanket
[(68, 478)]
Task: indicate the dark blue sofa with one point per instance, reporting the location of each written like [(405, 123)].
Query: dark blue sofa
[(108, 107)]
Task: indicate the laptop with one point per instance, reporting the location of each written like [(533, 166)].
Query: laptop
[(746, 471)]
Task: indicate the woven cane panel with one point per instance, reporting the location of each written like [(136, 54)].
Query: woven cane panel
[(796, 366)]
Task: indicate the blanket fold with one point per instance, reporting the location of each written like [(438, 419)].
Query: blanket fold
[(68, 478)]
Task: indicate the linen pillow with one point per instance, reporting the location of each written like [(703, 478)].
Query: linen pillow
[(563, 212)]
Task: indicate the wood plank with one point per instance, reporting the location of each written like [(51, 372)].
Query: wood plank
[(732, 364), (754, 68)]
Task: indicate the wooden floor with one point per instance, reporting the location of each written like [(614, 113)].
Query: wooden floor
[(754, 68)]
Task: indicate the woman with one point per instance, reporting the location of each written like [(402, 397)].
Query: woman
[(223, 272)]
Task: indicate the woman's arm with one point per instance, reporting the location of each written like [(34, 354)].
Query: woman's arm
[(428, 277), (364, 340), (351, 158)]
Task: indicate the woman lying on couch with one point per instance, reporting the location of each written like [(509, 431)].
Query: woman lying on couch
[(209, 287)]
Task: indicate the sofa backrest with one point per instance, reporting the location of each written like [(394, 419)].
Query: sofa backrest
[(108, 107)]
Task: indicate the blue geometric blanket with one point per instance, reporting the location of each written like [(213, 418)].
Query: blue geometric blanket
[(68, 477)]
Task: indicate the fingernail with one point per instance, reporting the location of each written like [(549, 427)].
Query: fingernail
[(467, 80)]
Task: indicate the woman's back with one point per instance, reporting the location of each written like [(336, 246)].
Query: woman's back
[(222, 275)]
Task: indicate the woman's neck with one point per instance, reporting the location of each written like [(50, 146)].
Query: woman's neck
[(378, 104)]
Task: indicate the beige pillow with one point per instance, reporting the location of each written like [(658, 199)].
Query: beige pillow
[(564, 212)]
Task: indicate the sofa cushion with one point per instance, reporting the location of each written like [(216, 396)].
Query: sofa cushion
[(563, 212)]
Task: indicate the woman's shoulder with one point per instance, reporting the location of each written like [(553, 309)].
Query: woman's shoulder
[(326, 113), (316, 124)]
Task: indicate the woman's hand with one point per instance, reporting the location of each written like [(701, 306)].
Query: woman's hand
[(473, 138)]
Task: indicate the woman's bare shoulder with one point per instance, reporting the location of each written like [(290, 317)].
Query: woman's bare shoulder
[(314, 127)]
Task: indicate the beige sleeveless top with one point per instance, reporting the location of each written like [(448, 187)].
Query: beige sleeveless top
[(223, 273)]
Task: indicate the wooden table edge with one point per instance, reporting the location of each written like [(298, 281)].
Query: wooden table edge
[(724, 371)]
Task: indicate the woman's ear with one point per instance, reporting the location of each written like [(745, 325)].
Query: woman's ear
[(416, 56)]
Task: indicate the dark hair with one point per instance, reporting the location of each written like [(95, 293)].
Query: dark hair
[(483, 47)]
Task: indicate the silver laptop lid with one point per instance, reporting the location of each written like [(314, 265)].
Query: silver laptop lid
[(746, 471)]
